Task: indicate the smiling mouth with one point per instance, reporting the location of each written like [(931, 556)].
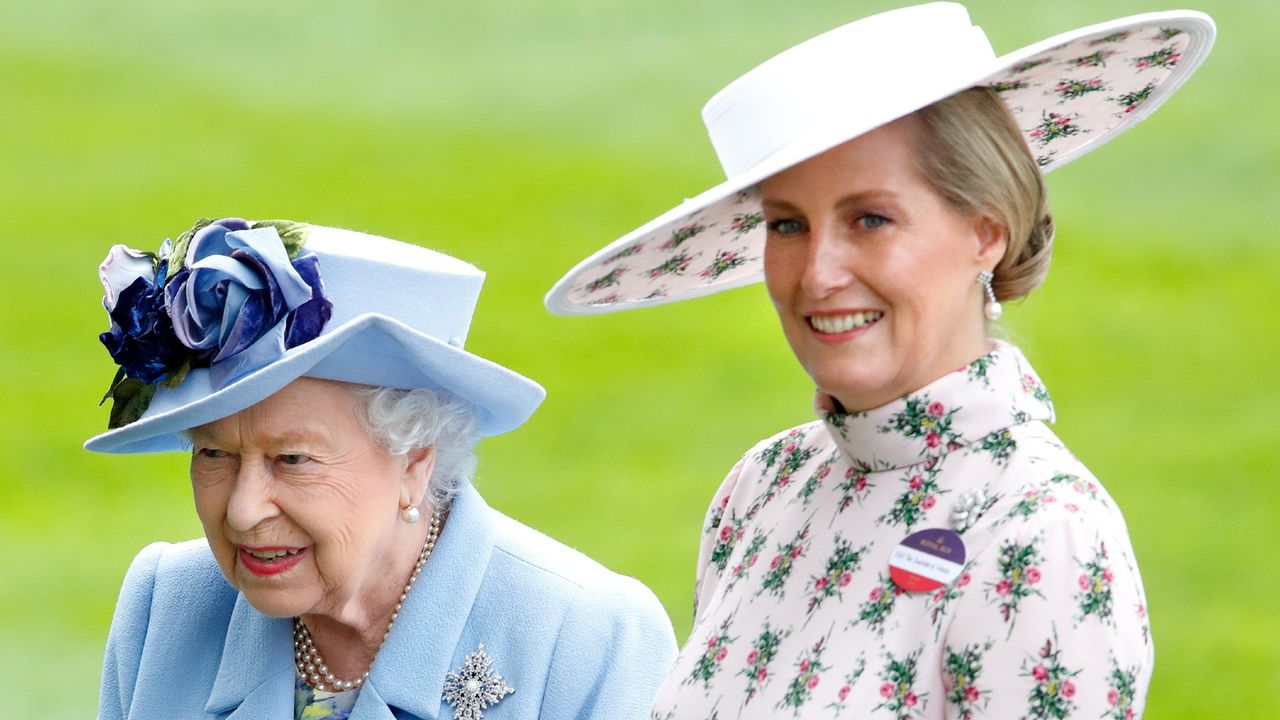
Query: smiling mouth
[(270, 561), (836, 324), (269, 555)]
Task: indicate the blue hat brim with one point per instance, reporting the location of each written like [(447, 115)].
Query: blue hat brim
[(371, 349)]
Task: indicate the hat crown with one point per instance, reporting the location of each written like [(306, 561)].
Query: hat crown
[(865, 73), (363, 274)]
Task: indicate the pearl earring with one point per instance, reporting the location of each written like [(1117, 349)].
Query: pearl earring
[(411, 514), (992, 309)]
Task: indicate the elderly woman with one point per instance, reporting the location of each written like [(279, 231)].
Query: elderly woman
[(928, 548), (349, 569)]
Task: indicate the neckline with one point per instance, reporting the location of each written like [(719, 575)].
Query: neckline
[(975, 404)]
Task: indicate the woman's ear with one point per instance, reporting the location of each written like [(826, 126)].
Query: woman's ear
[(993, 241), (419, 464)]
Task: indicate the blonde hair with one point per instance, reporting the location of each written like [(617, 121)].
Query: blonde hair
[(974, 156)]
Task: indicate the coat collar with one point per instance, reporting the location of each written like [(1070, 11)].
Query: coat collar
[(970, 406), (255, 677)]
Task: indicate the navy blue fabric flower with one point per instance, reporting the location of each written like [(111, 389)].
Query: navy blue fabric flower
[(141, 339)]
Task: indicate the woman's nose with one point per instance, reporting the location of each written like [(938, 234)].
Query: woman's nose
[(826, 269), (252, 500)]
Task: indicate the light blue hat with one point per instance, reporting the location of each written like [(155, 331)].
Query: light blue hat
[(234, 311)]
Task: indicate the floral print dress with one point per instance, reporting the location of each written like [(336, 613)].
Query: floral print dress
[(312, 704), (797, 614)]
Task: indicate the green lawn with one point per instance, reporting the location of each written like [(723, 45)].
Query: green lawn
[(522, 136)]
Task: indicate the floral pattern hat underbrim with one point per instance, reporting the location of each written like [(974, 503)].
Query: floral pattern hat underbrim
[(1070, 94)]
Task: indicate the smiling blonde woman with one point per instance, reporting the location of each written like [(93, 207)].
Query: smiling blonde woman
[(927, 548)]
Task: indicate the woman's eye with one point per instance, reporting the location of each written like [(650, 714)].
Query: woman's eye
[(786, 226), (212, 453), (293, 458), (871, 221)]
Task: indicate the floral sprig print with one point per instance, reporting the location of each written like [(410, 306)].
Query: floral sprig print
[(1032, 386), (709, 663), (1094, 598), (1004, 86), (856, 486), (1093, 59), (929, 420), (742, 223), (1070, 89), (750, 555), (878, 606), (681, 235), (724, 261), (850, 679), (1054, 126), (810, 667), (1165, 57), (674, 265), (1167, 33), (1122, 687), (816, 477), (1112, 38), (961, 669), (624, 253), (782, 563), (1019, 572), (1030, 503), (607, 299), (943, 597), (790, 454), (920, 497), (1000, 444), (609, 279), (716, 516), (1028, 65), (898, 688), (763, 649), (728, 536), (1131, 100), (978, 369), (842, 563), (1052, 694)]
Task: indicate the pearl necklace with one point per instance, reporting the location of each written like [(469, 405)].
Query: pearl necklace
[(307, 658)]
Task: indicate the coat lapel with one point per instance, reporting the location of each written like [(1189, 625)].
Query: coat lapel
[(410, 669), (255, 677)]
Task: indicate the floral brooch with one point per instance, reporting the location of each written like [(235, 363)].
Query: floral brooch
[(223, 286)]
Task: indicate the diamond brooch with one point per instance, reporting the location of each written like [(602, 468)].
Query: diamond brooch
[(474, 687)]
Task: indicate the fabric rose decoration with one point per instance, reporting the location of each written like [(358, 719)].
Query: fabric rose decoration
[(237, 283), (207, 298), (141, 336)]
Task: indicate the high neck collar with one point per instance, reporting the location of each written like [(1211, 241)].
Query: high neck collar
[(969, 406)]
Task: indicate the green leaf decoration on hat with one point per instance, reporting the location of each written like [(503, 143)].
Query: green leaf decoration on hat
[(130, 399)]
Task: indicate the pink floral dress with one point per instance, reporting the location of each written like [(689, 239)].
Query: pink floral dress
[(796, 612)]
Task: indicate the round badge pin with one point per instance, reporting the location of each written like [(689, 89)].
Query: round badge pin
[(927, 560)]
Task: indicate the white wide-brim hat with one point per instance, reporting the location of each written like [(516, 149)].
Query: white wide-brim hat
[(1069, 94), (399, 319)]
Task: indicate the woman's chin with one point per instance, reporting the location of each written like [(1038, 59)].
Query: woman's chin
[(276, 603)]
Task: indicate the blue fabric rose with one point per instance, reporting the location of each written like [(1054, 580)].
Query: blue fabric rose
[(236, 284), (141, 338)]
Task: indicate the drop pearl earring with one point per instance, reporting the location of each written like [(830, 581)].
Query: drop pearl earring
[(411, 514), (992, 309)]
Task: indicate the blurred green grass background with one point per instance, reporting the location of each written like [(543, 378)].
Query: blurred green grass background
[(522, 136)]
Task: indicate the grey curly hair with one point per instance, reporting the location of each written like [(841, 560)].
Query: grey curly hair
[(401, 420)]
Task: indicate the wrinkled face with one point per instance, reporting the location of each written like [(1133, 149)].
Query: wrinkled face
[(299, 504), (872, 273)]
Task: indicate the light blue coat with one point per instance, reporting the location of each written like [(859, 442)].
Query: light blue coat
[(574, 639)]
